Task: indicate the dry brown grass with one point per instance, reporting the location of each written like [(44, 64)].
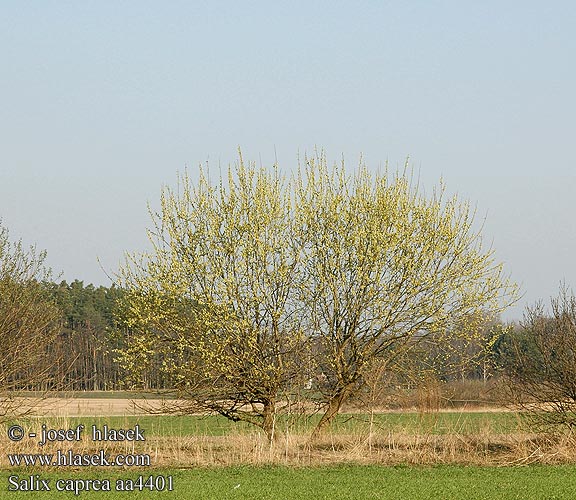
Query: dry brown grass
[(398, 446), (391, 449)]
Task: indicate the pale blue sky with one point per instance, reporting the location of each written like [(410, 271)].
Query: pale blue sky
[(102, 102)]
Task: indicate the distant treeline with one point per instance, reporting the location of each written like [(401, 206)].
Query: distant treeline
[(88, 335)]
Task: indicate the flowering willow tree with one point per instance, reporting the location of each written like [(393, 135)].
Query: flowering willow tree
[(252, 277), (387, 268), (216, 296)]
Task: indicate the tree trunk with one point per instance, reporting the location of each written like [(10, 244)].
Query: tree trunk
[(269, 420), (332, 410)]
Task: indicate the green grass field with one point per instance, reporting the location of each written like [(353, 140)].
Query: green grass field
[(194, 425), (334, 483)]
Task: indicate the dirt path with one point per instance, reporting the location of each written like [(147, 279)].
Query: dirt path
[(107, 407), (93, 407)]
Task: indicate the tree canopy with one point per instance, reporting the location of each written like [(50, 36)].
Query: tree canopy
[(256, 286)]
